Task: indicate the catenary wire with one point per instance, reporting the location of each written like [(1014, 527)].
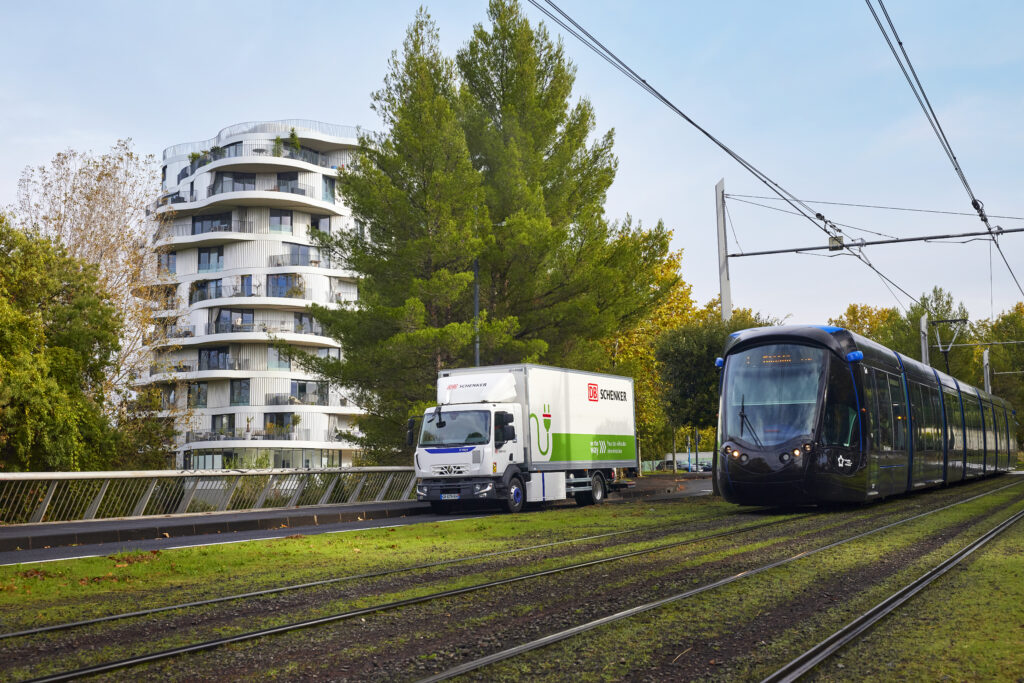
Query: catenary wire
[(827, 226), (933, 120), (781, 210), (873, 206)]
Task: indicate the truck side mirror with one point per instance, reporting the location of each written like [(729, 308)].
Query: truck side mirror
[(410, 432), (502, 418), (508, 433)]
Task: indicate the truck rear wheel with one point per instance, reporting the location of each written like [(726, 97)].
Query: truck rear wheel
[(596, 493), (516, 496)]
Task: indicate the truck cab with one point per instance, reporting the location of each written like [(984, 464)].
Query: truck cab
[(467, 452)]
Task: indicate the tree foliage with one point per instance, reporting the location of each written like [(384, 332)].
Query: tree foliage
[(687, 357), (58, 333), (484, 163)]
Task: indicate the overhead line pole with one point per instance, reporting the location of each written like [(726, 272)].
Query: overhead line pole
[(871, 243)]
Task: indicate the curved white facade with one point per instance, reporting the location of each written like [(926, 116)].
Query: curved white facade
[(237, 269)]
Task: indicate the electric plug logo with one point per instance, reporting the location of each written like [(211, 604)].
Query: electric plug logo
[(546, 416)]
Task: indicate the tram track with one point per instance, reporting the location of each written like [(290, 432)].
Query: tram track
[(816, 655), (553, 638), (349, 614), (340, 579)]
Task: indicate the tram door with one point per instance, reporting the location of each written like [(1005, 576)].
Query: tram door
[(888, 469)]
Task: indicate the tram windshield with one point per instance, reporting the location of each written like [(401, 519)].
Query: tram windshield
[(770, 393)]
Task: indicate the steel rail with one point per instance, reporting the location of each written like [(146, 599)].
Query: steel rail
[(633, 611), (252, 635), (810, 659), (338, 579)]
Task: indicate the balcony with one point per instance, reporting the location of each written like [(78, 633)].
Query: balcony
[(288, 399), (293, 292), (214, 267), (255, 148), (267, 328), (223, 363), (173, 367), (224, 292), (264, 185), (278, 260), (267, 434)]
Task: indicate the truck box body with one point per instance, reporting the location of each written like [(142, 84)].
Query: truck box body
[(575, 419), (567, 423)]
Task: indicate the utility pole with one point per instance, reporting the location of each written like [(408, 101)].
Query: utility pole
[(924, 339), (724, 288), (987, 371), (476, 309)]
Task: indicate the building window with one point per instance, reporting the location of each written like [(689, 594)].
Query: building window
[(328, 189), (197, 395), (166, 264), (168, 399), (289, 182), (320, 223), (223, 424), (277, 425), (216, 358), (233, 320), (285, 285), (239, 392), (310, 393), (329, 353), (203, 290), (281, 221), (245, 285), (304, 324), (299, 254), (234, 182), (220, 222), (211, 259), (277, 360)]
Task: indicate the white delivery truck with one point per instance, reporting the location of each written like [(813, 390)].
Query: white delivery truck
[(514, 434)]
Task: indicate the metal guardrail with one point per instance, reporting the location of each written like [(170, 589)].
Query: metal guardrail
[(34, 497)]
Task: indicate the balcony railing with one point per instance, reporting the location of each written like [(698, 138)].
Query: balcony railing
[(238, 433), (256, 148), (293, 292), (179, 331), (264, 185), (224, 363), (173, 367), (267, 328), (307, 260), (288, 399), (225, 292), (214, 267)]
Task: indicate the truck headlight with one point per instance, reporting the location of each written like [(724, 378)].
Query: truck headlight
[(421, 490), (483, 489)]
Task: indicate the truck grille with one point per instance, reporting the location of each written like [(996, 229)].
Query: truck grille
[(449, 470)]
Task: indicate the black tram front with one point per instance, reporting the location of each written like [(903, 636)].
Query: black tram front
[(789, 430)]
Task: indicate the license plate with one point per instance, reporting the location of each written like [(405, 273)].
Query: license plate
[(449, 496)]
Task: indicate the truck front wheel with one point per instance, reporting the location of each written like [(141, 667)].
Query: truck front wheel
[(516, 496)]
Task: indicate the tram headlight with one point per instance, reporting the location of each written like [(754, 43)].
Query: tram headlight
[(807, 448), (735, 455), (796, 452), (743, 458), (728, 450)]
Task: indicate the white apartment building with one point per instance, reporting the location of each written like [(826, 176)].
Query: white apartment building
[(236, 269)]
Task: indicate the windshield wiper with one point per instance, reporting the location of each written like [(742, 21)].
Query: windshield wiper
[(746, 420)]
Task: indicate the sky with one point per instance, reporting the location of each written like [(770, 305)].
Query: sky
[(808, 92)]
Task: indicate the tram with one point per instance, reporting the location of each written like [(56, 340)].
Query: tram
[(818, 414)]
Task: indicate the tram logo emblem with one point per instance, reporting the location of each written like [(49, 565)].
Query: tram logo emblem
[(844, 462)]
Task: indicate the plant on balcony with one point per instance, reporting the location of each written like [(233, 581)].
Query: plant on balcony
[(293, 140), (193, 157), (216, 152), (278, 149), (294, 292)]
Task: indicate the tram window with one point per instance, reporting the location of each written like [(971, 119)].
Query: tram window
[(899, 414), (954, 426), (839, 424), (884, 411)]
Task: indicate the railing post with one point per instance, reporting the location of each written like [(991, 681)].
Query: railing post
[(40, 510), (408, 489), (226, 500), (303, 479), (384, 488), (359, 487), (95, 505), (186, 499), (265, 493), (330, 489), (140, 507)]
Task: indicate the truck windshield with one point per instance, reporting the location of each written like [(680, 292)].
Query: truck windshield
[(456, 428)]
